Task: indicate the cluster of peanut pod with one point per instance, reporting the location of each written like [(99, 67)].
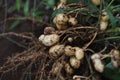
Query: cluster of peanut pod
[(76, 54)]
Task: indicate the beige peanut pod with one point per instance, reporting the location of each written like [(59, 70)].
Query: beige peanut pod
[(75, 63), (98, 65), (63, 1), (76, 48), (50, 40), (72, 21), (61, 26), (79, 53), (115, 54), (49, 30), (54, 20), (95, 56), (69, 51), (56, 51), (115, 63), (104, 16), (103, 25), (68, 69), (41, 38), (56, 68), (76, 77), (96, 2), (115, 58), (70, 39), (60, 19)]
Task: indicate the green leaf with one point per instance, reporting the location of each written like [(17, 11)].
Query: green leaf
[(91, 6), (26, 8), (58, 11), (49, 3), (35, 6), (116, 7), (38, 14), (111, 73), (15, 24), (73, 1), (112, 19), (18, 5), (109, 5)]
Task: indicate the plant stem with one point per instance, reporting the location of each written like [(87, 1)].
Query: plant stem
[(108, 38)]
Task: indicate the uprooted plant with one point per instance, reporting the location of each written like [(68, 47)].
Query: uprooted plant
[(75, 47)]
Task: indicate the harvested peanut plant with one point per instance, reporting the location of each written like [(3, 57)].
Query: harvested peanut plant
[(76, 46)]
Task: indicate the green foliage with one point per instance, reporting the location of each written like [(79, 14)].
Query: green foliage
[(108, 6), (18, 5), (58, 11), (49, 3), (111, 73), (90, 5), (14, 24), (115, 8), (26, 8), (38, 14), (112, 19), (73, 1)]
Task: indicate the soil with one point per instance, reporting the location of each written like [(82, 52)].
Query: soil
[(11, 45)]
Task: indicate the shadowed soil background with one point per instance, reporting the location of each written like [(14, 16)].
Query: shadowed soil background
[(11, 44)]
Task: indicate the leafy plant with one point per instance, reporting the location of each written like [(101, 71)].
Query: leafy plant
[(14, 24), (112, 20), (73, 1), (111, 73), (18, 5), (48, 3), (26, 8)]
